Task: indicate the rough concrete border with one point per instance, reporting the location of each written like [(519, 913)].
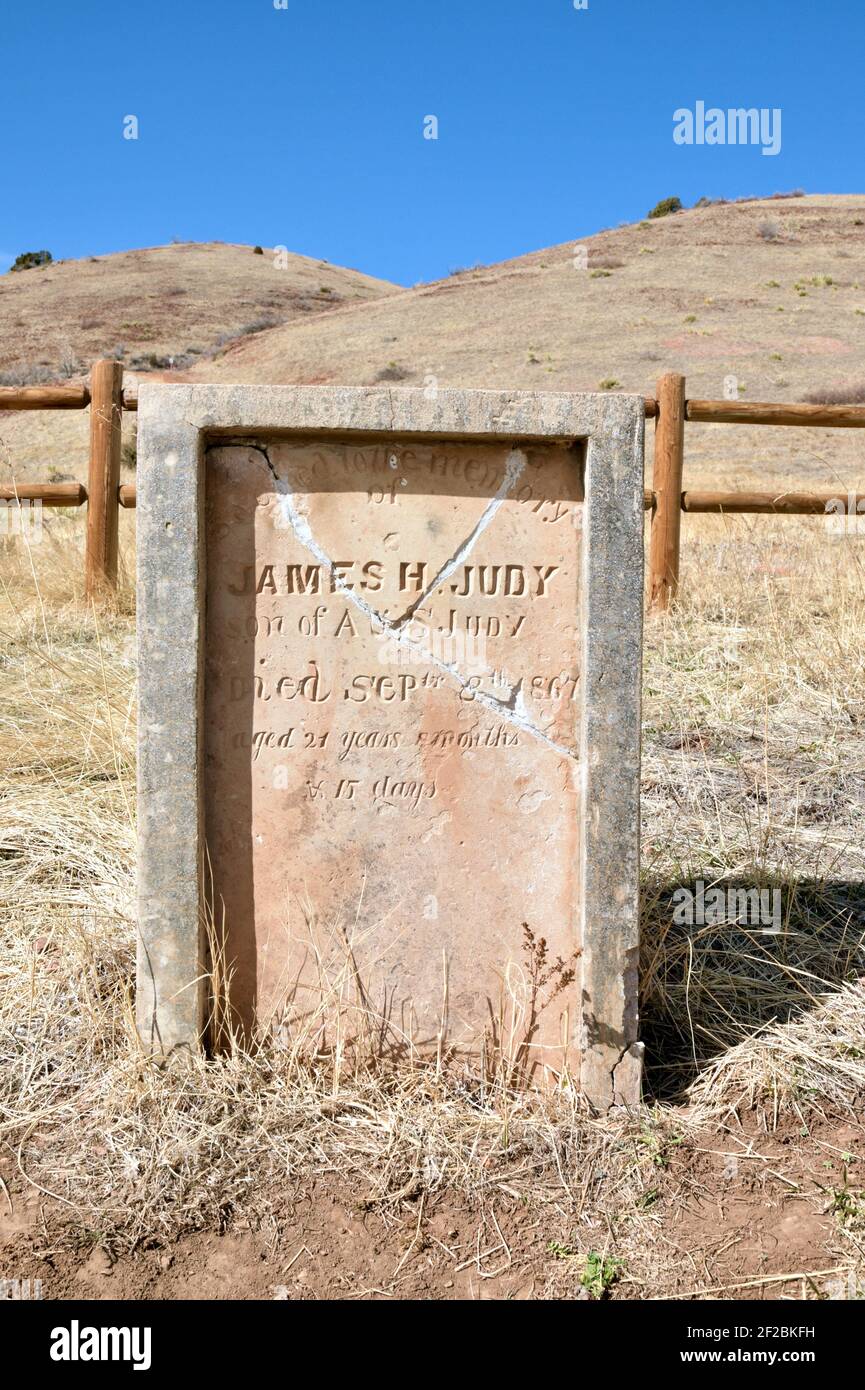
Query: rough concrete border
[(611, 1055), (174, 421)]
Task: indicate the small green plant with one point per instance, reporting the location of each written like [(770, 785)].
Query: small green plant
[(600, 274), (665, 207), (658, 1146), (773, 284), (690, 318), (599, 1273), (775, 357), (560, 1251), (29, 260), (648, 1199), (609, 383), (847, 1206)]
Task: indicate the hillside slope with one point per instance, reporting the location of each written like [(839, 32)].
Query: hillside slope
[(181, 301), (159, 308), (766, 291), (769, 291), (710, 292)]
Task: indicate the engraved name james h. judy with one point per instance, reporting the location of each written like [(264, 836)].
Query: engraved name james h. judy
[(511, 581)]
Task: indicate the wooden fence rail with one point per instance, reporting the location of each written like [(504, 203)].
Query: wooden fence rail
[(671, 499), (667, 499), (836, 417), (779, 503), (49, 494), (44, 397)]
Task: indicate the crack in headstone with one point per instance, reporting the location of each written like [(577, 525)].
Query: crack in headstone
[(514, 468), (512, 709)]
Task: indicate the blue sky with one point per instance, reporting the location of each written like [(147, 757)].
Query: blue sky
[(304, 126)]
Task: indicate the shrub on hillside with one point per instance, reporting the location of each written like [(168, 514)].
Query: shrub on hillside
[(393, 372), (666, 206), (28, 374), (28, 259), (838, 395)]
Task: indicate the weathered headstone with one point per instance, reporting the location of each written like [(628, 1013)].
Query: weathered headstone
[(389, 720)]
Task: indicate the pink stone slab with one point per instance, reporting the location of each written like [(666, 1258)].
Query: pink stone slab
[(389, 807)]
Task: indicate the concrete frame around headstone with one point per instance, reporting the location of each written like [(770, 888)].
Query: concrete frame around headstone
[(175, 421)]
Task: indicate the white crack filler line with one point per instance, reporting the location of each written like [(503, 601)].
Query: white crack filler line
[(514, 469), (513, 710)]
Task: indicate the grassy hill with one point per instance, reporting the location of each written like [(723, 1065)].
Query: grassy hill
[(162, 306), (767, 291), (160, 309), (771, 291)]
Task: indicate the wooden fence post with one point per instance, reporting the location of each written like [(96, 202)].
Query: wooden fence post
[(106, 388), (667, 486)]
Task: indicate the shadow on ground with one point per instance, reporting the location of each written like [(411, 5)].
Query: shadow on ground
[(707, 982)]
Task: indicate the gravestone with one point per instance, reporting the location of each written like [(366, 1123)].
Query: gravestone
[(389, 652)]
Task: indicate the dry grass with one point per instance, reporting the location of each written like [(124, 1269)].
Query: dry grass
[(754, 772)]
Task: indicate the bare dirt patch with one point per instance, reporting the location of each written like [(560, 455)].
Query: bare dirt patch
[(736, 1213)]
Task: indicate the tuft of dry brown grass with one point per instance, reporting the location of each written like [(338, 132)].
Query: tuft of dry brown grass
[(754, 773)]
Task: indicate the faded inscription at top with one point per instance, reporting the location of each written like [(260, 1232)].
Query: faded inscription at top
[(393, 712)]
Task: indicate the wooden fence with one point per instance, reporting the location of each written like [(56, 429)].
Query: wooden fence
[(103, 495), (667, 499)]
